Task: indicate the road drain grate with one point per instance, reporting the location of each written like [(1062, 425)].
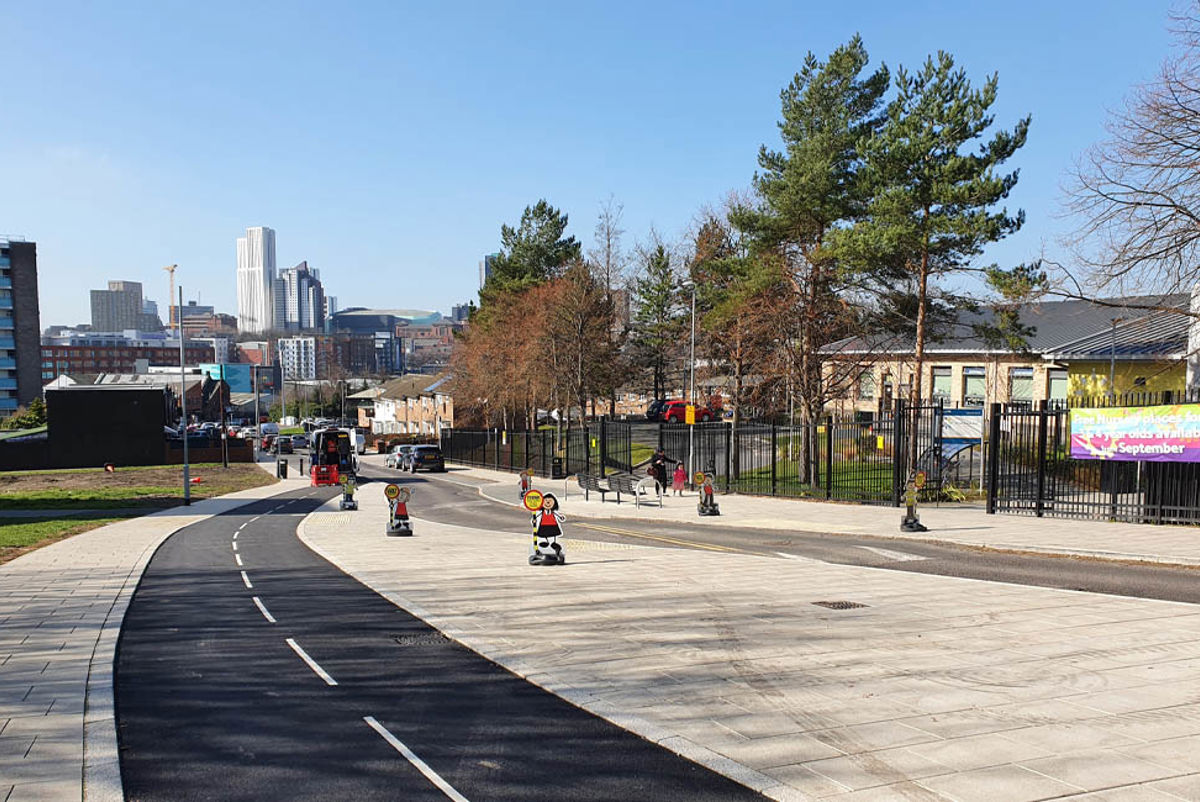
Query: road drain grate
[(839, 605), (424, 639)]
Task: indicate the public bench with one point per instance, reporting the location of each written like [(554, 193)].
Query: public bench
[(589, 483), (640, 487)]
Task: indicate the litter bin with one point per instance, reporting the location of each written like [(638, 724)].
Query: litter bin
[(281, 466), (556, 468)]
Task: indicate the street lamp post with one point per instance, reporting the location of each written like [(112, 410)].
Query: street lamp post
[(688, 283), (187, 479)]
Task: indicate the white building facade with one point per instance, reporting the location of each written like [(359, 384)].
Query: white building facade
[(256, 280), (298, 358), (301, 299)]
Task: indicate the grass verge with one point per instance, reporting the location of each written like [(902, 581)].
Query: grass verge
[(149, 487)]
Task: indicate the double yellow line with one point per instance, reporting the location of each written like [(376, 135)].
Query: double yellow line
[(674, 542)]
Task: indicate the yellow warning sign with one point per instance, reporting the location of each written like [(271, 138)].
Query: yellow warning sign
[(533, 500), (690, 414), (698, 478), (879, 442)]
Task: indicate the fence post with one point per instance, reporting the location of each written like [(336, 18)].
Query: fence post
[(496, 458), (603, 448), (774, 451), (829, 457), (1039, 505), (729, 443), (899, 449), (993, 460)]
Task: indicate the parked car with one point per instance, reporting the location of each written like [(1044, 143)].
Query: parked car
[(427, 457), (655, 408), (283, 445), (299, 441), (398, 457), (675, 411)]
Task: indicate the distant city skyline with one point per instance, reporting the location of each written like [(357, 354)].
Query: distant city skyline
[(133, 125)]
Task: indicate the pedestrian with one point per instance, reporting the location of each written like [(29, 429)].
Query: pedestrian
[(658, 464), (679, 479)]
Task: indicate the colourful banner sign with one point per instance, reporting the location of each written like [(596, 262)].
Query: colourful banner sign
[(1147, 434)]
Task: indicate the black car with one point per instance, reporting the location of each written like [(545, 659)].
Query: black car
[(427, 457), (655, 409), (282, 445)]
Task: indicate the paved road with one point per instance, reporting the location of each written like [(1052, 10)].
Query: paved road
[(249, 668), (453, 499)]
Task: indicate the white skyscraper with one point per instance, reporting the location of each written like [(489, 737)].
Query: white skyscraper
[(256, 280)]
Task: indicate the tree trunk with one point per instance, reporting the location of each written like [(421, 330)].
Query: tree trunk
[(914, 392)]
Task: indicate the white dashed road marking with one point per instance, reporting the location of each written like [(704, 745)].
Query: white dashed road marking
[(238, 557), (320, 672), (443, 786), (246, 579), (263, 609), (899, 556)]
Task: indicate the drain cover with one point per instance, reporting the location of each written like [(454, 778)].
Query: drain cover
[(424, 639), (839, 605)]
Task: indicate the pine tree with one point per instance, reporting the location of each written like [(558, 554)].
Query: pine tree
[(804, 193), (931, 198), (534, 252), (657, 317)]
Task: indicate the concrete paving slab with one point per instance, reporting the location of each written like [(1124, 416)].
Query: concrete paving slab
[(890, 701), (61, 608)]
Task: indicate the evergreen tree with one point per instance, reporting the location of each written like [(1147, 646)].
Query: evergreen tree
[(658, 316), (806, 191), (532, 253), (931, 199)]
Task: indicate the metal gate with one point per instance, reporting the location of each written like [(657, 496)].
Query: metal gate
[(1032, 473)]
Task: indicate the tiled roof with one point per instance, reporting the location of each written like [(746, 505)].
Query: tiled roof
[(1055, 323)]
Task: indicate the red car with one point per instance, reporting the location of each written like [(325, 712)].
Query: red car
[(676, 412)]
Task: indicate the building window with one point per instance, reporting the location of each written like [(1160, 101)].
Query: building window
[(1057, 385), (1020, 385), (941, 384), (974, 386), (866, 386)]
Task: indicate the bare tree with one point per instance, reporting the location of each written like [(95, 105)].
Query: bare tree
[(1138, 193)]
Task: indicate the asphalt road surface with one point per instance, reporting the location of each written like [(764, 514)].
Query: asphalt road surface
[(249, 668), (454, 499)]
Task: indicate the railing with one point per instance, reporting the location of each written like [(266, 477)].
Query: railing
[(1034, 474), (860, 461)]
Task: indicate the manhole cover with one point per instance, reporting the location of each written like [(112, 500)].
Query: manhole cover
[(424, 639), (839, 605)]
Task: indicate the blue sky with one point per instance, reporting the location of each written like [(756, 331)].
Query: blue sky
[(386, 142)]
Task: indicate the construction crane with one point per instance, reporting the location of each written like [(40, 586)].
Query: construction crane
[(171, 299)]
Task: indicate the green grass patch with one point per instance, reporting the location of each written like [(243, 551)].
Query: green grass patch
[(19, 535), (151, 487)]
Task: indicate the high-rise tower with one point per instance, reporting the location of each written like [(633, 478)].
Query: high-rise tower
[(256, 280)]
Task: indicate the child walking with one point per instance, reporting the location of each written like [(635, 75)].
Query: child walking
[(679, 479)]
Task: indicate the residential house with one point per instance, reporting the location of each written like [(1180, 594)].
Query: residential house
[(413, 404)]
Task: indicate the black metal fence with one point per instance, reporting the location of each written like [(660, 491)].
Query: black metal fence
[(861, 461), (1034, 474)]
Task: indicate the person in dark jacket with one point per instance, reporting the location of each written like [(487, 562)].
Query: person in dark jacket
[(658, 466)]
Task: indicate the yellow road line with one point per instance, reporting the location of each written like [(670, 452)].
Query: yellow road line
[(661, 539)]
